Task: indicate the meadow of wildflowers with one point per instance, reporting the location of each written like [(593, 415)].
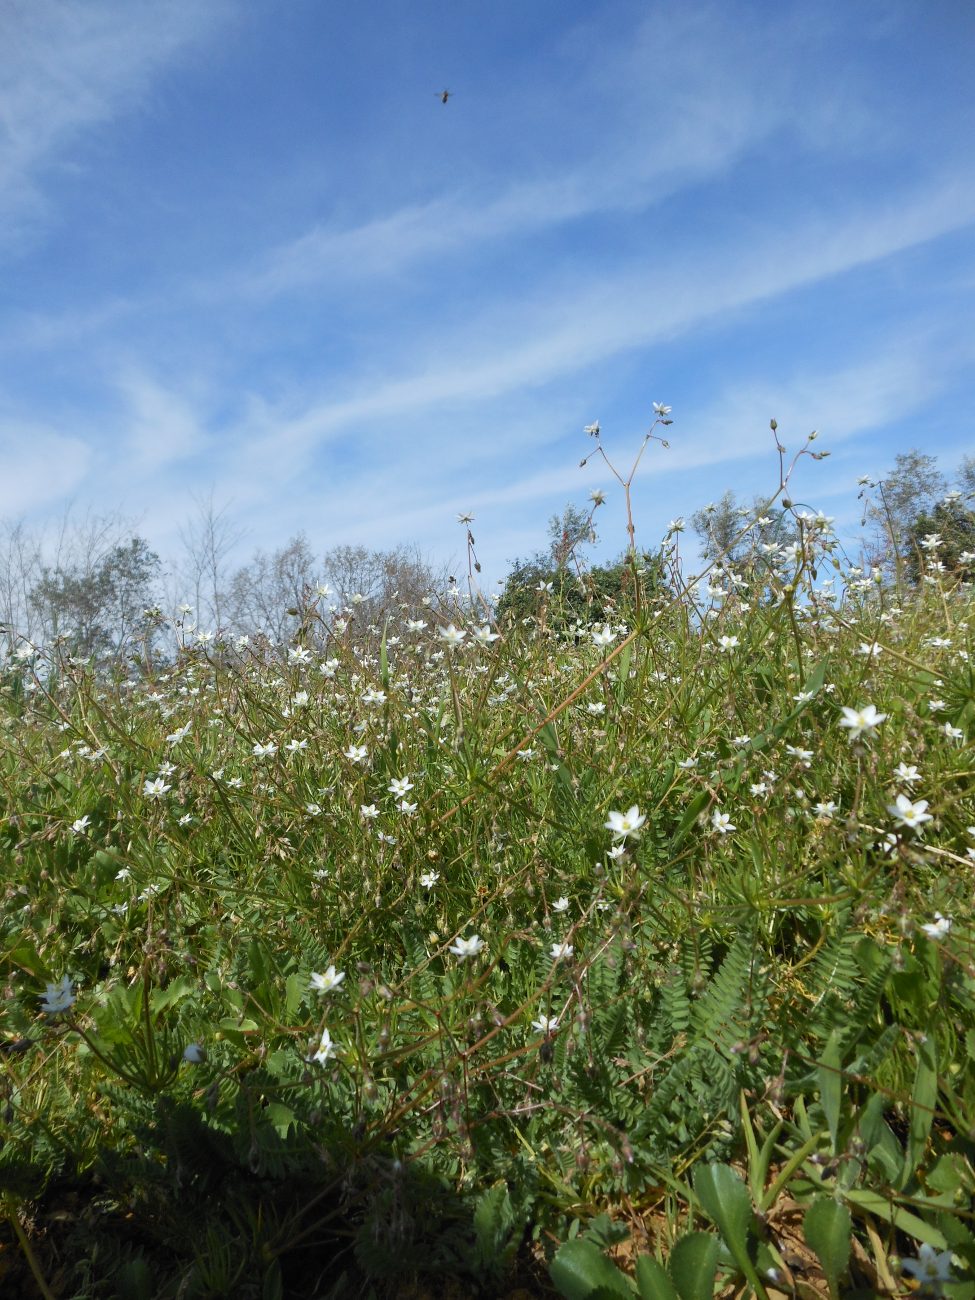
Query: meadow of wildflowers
[(455, 953)]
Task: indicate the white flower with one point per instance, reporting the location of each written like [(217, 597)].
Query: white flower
[(296, 746), (728, 643), (464, 948), (932, 1267), (399, 786), (598, 497), (451, 635), (660, 410), (194, 1053), (560, 905), (907, 774), (415, 625), (912, 815), (953, 733), (406, 807), (155, 789), (264, 751), (938, 928), (298, 654), (592, 429), (546, 1024), (484, 635), (826, 809), (605, 636), (356, 753), (368, 811), (624, 824), (559, 951), (429, 879), (80, 827), (871, 650), (326, 1049), (860, 720), (325, 983), (58, 997), (465, 519), (313, 809), (722, 823), (596, 710)]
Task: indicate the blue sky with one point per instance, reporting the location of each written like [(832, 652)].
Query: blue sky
[(246, 250)]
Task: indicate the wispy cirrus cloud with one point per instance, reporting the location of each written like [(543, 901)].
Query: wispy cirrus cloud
[(70, 67)]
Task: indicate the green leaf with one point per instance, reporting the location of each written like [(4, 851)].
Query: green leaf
[(693, 1265), (580, 1268), (828, 1226), (830, 1077), (874, 1203), (726, 1202), (691, 814), (652, 1281), (924, 1100)]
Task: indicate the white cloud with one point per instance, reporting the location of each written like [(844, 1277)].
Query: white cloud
[(68, 67), (40, 467), (158, 425)]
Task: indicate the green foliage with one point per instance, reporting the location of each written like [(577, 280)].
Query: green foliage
[(313, 1012)]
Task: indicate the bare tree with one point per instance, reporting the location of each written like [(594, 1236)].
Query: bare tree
[(208, 539)]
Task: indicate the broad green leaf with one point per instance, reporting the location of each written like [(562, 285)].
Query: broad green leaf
[(726, 1202), (693, 1264), (580, 1268), (652, 1281), (827, 1225)]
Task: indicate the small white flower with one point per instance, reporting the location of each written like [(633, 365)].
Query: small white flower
[(484, 635), (911, 815), (368, 811), (860, 720), (938, 928), (598, 497), (155, 789), (58, 997), (592, 429), (624, 824), (406, 807), (953, 733), (825, 809), (560, 951), (722, 823), (464, 948), (298, 654), (596, 710), (356, 753), (80, 827), (660, 410), (400, 786), (465, 519), (931, 1268), (326, 1049), (560, 905), (429, 879), (546, 1024), (907, 773), (322, 984), (264, 751), (604, 636), (451, 635), (728, 643)]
